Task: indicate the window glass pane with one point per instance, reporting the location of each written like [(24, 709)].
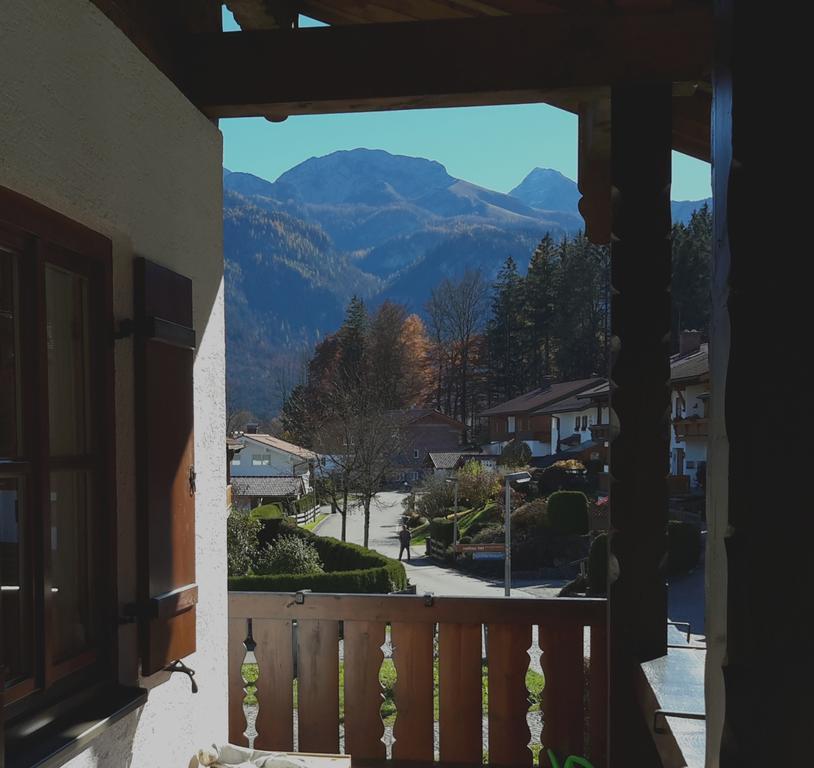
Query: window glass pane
[(68, 361), (9, 357), (15, 587), (72, 563)]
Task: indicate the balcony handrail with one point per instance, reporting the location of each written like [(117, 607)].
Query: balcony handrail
[(416, 608), (297, 640)]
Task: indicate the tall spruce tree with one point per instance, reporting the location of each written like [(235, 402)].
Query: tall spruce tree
[(539, 304), (690, 291), (505, 333)]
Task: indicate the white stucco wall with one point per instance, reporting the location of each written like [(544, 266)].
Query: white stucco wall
[(562, 424), (89, 128), (695, 448), (280, 462)]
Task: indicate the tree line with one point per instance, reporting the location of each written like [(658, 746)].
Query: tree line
[(480, 344)]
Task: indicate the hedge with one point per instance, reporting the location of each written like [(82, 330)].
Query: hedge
[(598, 566), (568, 512), (268, 512), (349, 568), (442, 531)]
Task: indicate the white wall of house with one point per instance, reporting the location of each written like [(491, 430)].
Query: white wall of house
[(260, 460), (91, 129), (694, 448), (566, 424)]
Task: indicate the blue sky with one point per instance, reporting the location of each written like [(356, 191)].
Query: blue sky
[(492, 146)]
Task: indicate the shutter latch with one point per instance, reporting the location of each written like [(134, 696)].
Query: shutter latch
[(179, 666), (192, 477)]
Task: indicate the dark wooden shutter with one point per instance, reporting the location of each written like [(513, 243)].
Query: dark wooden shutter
[(164, 355)]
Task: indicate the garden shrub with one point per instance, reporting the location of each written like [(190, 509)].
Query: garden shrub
[(515, 454), (567, 475), (289, 554), (272, 518), (530, 517), (568, 512), (348, 568), (489, 534), (305, 504), (435, 497), (477, 484), (442, 531), (242, 545), (683, 546), (598, 566)]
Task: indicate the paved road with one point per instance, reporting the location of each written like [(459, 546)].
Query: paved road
[(385, 513)]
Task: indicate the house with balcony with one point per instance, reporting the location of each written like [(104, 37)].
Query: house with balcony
[(531, 417), (112, 407), (689, 403)]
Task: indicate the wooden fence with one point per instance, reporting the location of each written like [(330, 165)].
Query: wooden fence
[(424, 631)]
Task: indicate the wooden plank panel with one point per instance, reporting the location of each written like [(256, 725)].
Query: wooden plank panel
[(238, 629), (412, 655), (508, 659), (459, 683), (328, 69), (563, 702), (409, 609), (363, 691), (318, 685), (275, 685), (598, 697)]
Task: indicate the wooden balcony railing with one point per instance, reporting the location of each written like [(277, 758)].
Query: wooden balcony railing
[(437, 649), (690, 428)]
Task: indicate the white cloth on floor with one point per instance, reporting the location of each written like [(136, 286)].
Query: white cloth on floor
[(229, 756)]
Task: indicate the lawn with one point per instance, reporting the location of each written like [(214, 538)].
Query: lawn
[(315, 522)]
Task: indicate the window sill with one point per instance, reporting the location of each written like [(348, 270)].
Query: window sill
[(43, 741)]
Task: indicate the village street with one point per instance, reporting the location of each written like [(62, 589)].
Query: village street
[(425, 573)]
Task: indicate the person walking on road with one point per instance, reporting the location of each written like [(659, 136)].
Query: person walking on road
[(404, 539)]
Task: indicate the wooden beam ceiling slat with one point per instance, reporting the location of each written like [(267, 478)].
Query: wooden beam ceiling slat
[(443, 63)]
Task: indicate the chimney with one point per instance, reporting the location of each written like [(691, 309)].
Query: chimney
[(546, 381), (251, 429), (689, 342)]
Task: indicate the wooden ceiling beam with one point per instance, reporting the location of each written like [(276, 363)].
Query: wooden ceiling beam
[(459, 62)]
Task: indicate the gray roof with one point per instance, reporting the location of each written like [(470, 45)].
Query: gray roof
[(695, 366), (451, 459), (277, 487)]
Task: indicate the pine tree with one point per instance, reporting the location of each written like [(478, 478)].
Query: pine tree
[(690, 290), (539, 302), (505, 333), (352, 338)]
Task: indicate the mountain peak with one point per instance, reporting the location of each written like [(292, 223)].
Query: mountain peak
[(549, 190), (367, 176)]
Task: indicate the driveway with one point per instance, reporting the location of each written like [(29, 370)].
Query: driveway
[(425, 573)]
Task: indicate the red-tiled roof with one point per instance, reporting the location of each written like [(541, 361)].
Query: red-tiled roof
[(542, 397)]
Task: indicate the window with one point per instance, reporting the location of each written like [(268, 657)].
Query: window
[(415, 453), (510, 425), (260, 460), (576, 423), (584, 423), (56, 451)]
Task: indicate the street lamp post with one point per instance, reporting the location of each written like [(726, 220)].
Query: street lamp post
[(455, 513), (512, 477)]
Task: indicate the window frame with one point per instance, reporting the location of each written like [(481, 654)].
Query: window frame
[(40, 237)]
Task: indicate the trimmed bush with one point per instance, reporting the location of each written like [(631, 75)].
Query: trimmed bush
[(568, 512), (515, 454), (567, 475), (477, 485), (289, 554), (349, 568), (683, 546), (268, 512), (442, 531), (598, 566)]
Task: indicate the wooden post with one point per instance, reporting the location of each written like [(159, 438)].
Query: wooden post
[(640, 372), (758, 682), (595, 169)]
